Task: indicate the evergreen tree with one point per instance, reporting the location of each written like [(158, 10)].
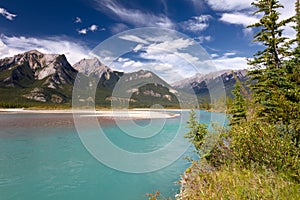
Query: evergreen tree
[(238, 109), (266, 74), (270, 34), (197, 131)]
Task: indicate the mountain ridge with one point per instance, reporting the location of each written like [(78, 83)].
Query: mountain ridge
[(49, 78)]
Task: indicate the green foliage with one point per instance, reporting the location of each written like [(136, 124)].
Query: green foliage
[(259, 156), (267, 74), (261, 145), (197, 131), (238, 108), (276, 93), (296, 19), (270, 34), (233, 182)]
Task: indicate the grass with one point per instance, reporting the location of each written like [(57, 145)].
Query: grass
[(236, 183)]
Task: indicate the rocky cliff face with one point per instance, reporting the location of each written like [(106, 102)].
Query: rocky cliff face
[(52, 70), (99, 72), (46, 76)]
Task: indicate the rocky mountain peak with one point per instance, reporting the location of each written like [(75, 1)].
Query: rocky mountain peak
[(92, 67), (33, 65)]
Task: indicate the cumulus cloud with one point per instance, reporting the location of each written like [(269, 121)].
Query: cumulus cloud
[(170, 56), (231, 63), (92, 28), (74, 51), (197, 23), (240, 13), (82, 31), (134, 17), (214, 55), (78, 20), (7, 14), (230, 60), (238, 18), (229, 5)]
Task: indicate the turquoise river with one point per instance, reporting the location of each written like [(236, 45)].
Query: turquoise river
[(42, 158)]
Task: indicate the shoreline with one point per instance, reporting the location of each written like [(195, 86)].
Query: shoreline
[(120, 113)]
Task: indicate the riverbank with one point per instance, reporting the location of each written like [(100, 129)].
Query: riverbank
[(132, 113)]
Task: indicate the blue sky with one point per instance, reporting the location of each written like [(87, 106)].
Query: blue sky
[(75, 27)]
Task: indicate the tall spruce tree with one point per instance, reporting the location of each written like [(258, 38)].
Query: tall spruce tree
[(267, 63)]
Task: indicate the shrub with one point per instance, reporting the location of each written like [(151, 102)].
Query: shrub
[(234, 182)]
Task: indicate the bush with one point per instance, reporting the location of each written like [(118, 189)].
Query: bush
[(262, 145), (234, 182)]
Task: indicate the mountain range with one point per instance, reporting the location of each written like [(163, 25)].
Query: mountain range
[(33, 78)]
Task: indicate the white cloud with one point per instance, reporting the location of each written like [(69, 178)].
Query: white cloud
[(7, 14), (288, 10), (93, 28), (78, 20), (82, 31), (170, 45), (229, 60), (74, 51), (167, 71), (171, 57), (163, 66), (196, 24), (238, 13), (231, 63), (214, 55), (229, 5), (123, 59), (133, 17), (134, 65), (228, 54), (202, 39), (134, 38), (238, 18), (138, 47)]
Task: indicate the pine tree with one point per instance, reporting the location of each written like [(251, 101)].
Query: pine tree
[(270, 34), (238, 109), (267, 63)]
